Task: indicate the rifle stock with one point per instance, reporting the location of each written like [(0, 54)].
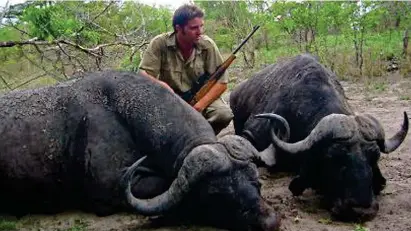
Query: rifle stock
[(206, 82), (212, 81)]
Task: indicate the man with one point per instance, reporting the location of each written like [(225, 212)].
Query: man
[(176, 59)]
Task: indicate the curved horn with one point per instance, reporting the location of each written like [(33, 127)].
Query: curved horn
[(273, 117), (195, 166), (377, 133), (394, 142), (334, 126)]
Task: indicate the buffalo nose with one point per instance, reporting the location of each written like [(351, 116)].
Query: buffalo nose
[(272, 222), (367, 213), (351, 211)]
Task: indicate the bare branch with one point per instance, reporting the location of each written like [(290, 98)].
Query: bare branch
[(89, 51), (119, 43), (64, 52), (105, 30), (4, 81), (28, 81), (102, 12), (16, 28), (41, 67), (70, 57)]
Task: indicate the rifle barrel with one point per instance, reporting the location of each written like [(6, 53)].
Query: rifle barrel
[(246, 39)]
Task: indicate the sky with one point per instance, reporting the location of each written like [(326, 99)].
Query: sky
[(173, 4)]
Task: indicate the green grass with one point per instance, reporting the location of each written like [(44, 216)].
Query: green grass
[(405, 97), (79, 225), (325, 221), (360, 228), (7, 225)]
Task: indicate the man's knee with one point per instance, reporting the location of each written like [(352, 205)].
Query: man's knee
[(219, 115), (220, 119), (224, 116)]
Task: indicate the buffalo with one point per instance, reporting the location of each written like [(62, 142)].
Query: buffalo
[(296, 112), (116, 141)]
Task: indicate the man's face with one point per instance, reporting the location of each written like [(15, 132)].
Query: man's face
[(191, 32)]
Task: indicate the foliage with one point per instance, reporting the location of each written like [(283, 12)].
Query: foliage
[(360, 228), (354, 39), (7, 225)]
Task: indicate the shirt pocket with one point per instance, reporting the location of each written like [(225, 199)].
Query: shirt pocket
[(174, 78), (199, 67)]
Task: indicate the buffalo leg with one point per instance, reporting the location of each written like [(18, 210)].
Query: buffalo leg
[(110, 148), (298, 185)]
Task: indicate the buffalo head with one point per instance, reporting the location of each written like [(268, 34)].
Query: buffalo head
[(340, 161), (217, 183)]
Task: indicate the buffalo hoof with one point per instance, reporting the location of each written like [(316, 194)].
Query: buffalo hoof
[(297, 186), (354, 213), (272, 222)]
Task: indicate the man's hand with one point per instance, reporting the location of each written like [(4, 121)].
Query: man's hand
[(215, 92), (199, 106), (164, 84)]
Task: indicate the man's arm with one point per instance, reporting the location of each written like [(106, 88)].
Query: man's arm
[(150, 64), (215, 92), (164, 84)]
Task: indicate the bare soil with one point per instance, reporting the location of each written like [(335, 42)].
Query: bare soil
[(386, 101)]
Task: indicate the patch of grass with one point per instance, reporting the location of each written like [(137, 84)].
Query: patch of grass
[(79, 225), (325, 221), (376, 86), (361, 228), (231, 86), (405, 97), (7, 225), (380, 87), (29, 221)]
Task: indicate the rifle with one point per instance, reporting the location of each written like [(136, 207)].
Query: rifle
[(206, 81)]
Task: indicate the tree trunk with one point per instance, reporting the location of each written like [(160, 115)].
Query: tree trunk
[(405, 44)]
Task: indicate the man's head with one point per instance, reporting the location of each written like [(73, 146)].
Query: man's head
[(188, 22)]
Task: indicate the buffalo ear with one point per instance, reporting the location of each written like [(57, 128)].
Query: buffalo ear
[(298, 185), (239, 148), (369, 127), (267, 156)]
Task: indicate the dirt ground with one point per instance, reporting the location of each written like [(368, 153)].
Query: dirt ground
[(386, 101)]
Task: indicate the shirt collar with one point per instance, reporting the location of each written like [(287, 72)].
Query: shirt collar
[(171, 42), (171, 39)]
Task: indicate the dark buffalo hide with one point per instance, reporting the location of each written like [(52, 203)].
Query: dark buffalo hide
[(73, 145), (332, 149)]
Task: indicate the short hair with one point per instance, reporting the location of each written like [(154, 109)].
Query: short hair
[(185, 13)]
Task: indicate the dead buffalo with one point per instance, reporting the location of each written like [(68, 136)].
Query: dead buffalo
[(333, 150), (69, 146)]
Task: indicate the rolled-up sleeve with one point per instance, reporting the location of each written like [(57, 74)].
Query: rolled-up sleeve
[(151, 61), (214, 59)]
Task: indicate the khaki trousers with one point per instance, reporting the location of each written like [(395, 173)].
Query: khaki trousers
[(218, 114)]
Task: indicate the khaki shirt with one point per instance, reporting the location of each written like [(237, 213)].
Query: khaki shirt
[(163, 60)]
